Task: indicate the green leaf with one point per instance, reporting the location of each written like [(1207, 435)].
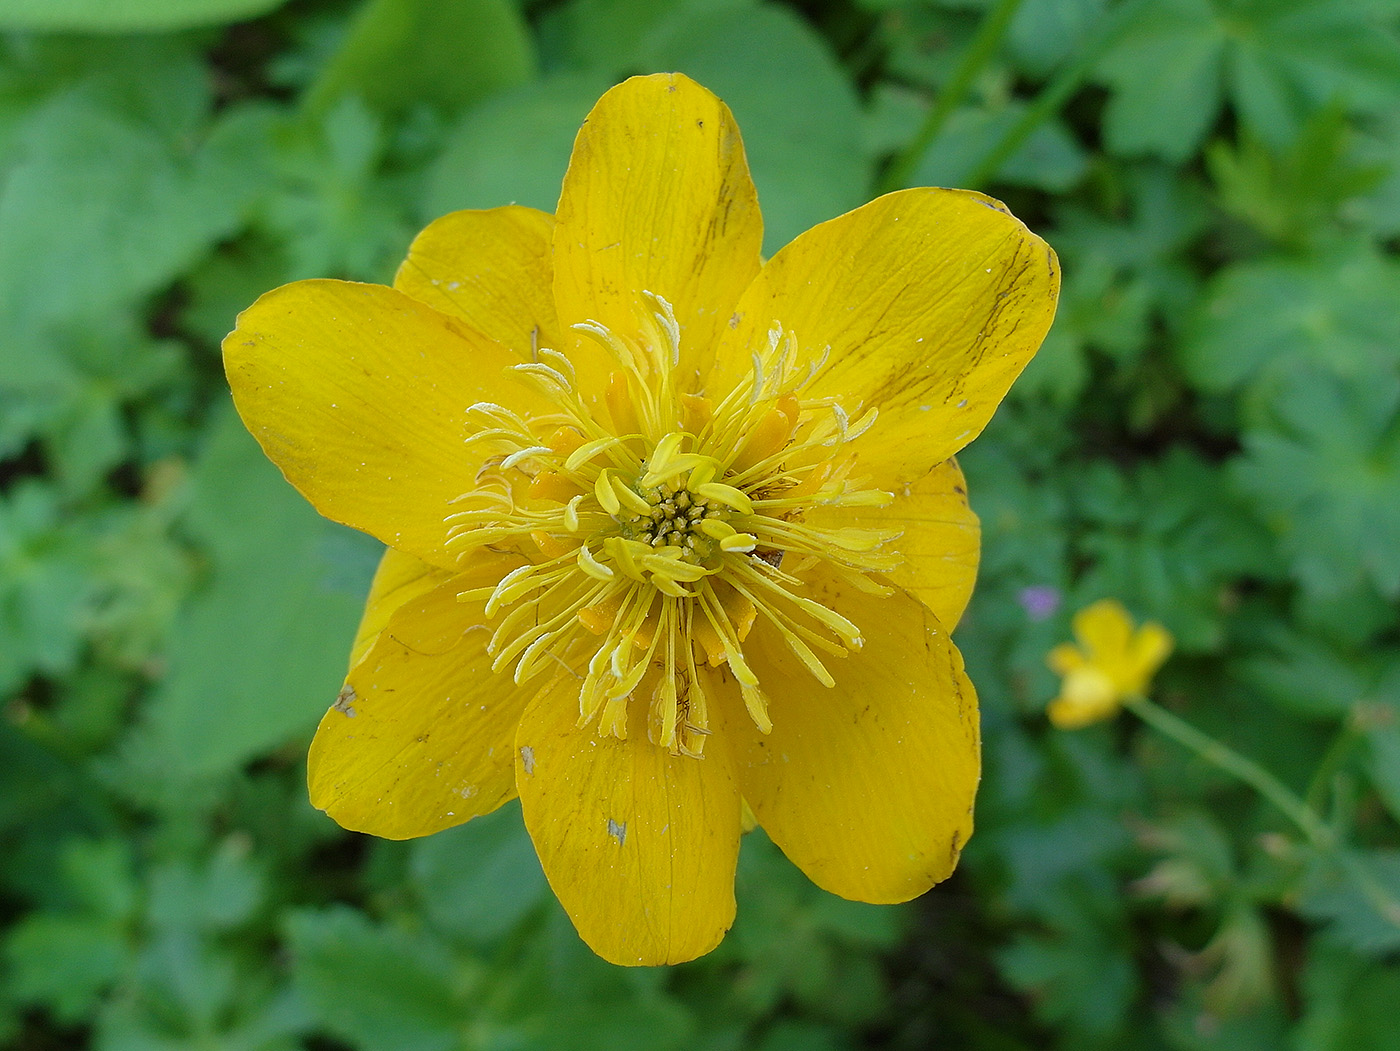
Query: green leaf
[(1050, 159), (108, 194), (380, 988), (1350, 1003), (1172, 68), (795, 107), (512, 148), (44, 584), (259, 653), (611, 36), (1279, 313), (126, 16), (479, 880), (448, 53), (1324, 472), (1079, 978), (220, 892), (1357, 893), (1166, 71), (64, 962)]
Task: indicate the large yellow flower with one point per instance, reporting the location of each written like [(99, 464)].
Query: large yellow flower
[(669, 528)]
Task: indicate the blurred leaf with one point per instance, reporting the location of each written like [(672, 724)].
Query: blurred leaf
[(479, 880), (512, 148), (1045, 33), (66, 957), (1326, 474), (44, 586), (1279, 313), (1305, 674), (448, 53), (1294, 196), (220, 892), (260, 652), (610, 37), (1168, 542), (1050, 159), (330, 211), (1358, 895), (1178, 59), (1350, 1004), (106, 199), (381, 988), (797, 110), (126, 16), (1379, 721), (1079, 977)]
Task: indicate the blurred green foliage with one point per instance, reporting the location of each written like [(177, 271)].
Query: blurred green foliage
[(1211, 434)]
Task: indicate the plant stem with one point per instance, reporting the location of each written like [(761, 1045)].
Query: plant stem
[(1336, 752), (1229, 760), (1276, 792), (1064, 84), (975, 58)]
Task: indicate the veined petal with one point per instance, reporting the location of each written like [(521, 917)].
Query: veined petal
[(399, 579), (657, 198), (422, 735), (639, 845), (868, 786), (492, 269), (358, 393), (924, 304), (941, 542)]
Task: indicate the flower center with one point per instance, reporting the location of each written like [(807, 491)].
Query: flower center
[(677, 518), (656, 525)]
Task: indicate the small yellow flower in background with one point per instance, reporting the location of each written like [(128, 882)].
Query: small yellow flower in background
[(673, 533), (1112, 662)]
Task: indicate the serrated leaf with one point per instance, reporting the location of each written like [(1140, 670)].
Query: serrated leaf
[(1279, 313), (1325, 475), (1179, 59), (1357, 894)]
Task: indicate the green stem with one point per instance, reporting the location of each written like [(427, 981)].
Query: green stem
[(1247, 770), (1336, 753), (979, 52), (1276, 792), (1061, 86)]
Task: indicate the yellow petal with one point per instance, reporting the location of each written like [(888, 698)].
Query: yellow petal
[(358, 393), (1151, 645), (940, 544), (492, 269), (1104, 629), (639, 845), (1088, 695), (868, 786), (399, 579), (657, 198), (926, 303), (422, 736), (1065, 658)]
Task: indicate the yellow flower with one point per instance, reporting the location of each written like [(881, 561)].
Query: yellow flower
[(670, 530), (1111, 662)]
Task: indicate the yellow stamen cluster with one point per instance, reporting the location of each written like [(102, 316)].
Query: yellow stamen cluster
[(660, 525)]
